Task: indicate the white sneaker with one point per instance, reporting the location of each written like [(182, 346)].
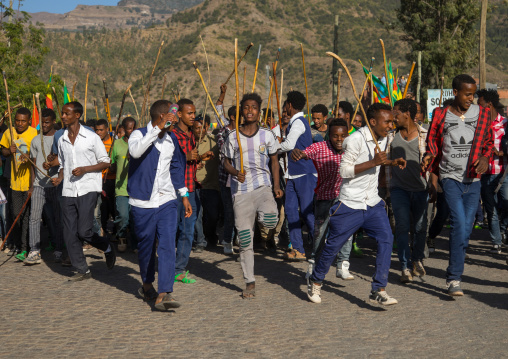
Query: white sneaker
[(381, 297), (310, 269), (228, 248), (343, 271), (406, 276), (314, 291)]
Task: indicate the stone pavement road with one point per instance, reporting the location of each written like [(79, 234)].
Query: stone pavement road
[(42, 316)]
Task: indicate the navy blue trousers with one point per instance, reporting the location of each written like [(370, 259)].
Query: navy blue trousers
[(149, 224)]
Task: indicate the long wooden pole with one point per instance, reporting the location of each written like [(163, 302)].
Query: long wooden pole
[(483, 36), (238, 63), (419, 84), (134, 103), (10, 119), (86, 94), (269, 100), (281, 86), (208, 68), (409, 79), (106, 105), (163, 87), (274, 67), (305, 78), (256, 70), (355, 93), (244, 79), (208, 94), (388, 87), (338, 93), (371, 84), (73, 89), (96, 110), (237, 85), (147, 92), (441, 93)]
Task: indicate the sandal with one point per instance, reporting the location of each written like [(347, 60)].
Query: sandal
[(249, 293), (167, 303), (149, 295), (184, 279)]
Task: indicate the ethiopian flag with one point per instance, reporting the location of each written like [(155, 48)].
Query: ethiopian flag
[(67, 98), (35, 115), (380, 91), (396, 94)]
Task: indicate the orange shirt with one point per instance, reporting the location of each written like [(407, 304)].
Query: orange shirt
[(108, 144)]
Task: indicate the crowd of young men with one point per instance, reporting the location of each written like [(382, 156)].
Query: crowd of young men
[(170, 184)]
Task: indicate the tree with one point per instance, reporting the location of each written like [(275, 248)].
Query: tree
[(444, 30), (21, 56)]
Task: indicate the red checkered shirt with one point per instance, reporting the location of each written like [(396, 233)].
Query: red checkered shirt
[(483, 142), (497, 164), (188, 143), (327, 161)]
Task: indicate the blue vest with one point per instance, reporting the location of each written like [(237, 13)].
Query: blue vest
[(142, 170), (301, 167)]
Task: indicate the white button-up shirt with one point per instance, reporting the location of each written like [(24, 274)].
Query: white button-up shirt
[(88, 150), (361, 190), (163, 190)]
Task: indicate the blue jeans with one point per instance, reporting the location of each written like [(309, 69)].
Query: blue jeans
[(442, 214), (229, 214), (321, 225), (149, 224), (300, 194), (123, 222), (462, 199), (492, 202), (208, 202), (344, 222), (409, 206), (185, 233)]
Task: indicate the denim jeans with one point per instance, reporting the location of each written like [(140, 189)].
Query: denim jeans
[(409, 206), (321, 224), (498, 220), (442, 214), (462, 199), (229, 214), (208, 202), (123, 221), (185, 233)]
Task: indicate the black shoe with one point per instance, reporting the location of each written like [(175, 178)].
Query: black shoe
[(199, 249), (80, 276), (110, 257), (149, 295)]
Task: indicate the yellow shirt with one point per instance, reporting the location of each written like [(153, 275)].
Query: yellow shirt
[(20, 178)]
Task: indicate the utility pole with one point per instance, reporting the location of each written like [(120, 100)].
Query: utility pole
[(483, 35), (418, 86), (335, 64)]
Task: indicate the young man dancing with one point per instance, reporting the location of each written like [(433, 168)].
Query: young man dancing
[(360, 205)]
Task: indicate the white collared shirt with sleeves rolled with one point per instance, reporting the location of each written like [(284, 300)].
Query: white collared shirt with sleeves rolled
[(361, 190), (88, 150), (163, 190)]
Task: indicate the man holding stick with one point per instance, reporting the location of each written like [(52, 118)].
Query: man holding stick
[(44, 194), (82, 157), (19, 147)]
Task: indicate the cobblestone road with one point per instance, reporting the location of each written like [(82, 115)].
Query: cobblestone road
[(42, 316)]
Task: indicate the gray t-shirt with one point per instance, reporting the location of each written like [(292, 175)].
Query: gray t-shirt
[(409, 179), (458, 135), (36, 152)]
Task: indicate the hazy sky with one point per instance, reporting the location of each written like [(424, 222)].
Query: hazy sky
[(57, 6)]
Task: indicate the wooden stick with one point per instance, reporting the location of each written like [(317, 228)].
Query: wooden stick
[(16, 220), (208, 94), (163, 87), (209, 80), (7, 112), (57, 104), (121, 107), (244, 79), (274, 66), (86, 94), (10, 117), (96, 110), (281, 85), (338, 93), (73, 89), (237, 85), (371, 82), (238, 63), (269, 100), (256, 70), (409, 80), (33, 164), (441, 94), (355, 93), (369, 75), (40, 124), (106, 105), (147, 92), (386, 75), (174, 94), (305, 78), (135, 107)]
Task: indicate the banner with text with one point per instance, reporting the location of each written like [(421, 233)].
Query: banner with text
[(433, 99)]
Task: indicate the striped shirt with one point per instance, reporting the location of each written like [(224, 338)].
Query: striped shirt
[(497, 164), (256, 157)]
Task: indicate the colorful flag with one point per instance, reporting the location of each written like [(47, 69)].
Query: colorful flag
[(67, 98), (396, 94), (35, 115), (380, 90), (49, 98)]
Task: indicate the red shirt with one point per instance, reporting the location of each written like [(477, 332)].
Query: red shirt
[(327, 162), (497, 164), (188, 143), (483, 142)]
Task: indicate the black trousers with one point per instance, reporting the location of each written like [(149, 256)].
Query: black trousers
[(77, 217), (108, 203), (20, 230)]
